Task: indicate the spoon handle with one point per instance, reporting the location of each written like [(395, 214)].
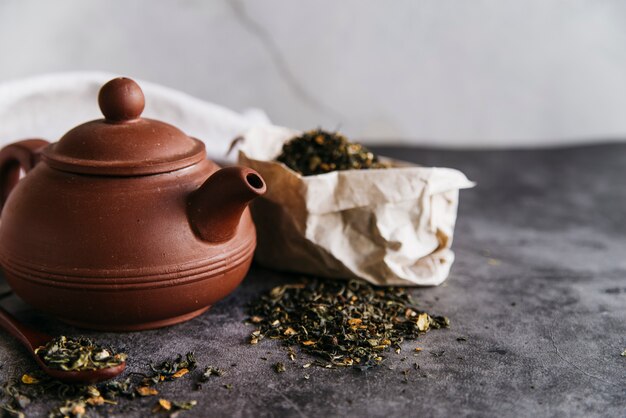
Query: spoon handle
[(28, 337)]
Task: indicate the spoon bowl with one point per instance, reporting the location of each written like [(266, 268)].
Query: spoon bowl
[(32, 340)]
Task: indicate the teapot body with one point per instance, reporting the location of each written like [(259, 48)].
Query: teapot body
[(123, 224), (117, 252)]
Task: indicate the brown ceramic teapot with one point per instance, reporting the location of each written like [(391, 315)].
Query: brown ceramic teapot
[(123, 224)]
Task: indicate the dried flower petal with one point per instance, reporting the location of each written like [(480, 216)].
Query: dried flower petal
[(147, 391), (180, 373), (423, 322), (29, 380), (165, 404)]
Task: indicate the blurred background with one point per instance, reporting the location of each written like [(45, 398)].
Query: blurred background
[(446, 73)]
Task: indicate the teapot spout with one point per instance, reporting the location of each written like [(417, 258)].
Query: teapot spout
[(215, 208)]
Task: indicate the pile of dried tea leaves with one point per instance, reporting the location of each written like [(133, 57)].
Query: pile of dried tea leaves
[(345, 323), (318, 152), (74, 354)]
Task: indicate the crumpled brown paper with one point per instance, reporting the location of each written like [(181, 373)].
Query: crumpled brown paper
[(390, 227)]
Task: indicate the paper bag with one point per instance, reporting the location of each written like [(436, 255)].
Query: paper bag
[(389, 226)]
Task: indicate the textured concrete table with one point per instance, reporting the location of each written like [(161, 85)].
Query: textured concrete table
[(538, 291)]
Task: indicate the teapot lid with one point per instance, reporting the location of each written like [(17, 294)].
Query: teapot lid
[(123, 143)]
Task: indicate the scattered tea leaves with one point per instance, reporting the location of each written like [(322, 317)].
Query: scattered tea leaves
[(10, 411), (173, 368), (318, 152), (346, 323), (16, 402), (77, 400), (74, 354), (71, 408)]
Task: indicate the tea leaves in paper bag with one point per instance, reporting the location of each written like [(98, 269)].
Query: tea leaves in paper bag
[(318, 152)]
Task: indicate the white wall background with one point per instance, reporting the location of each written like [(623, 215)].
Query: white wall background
[(451, 73)]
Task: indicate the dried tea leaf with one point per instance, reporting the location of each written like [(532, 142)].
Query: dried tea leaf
[(279, 367), (186, 406), (255, 336), (291, 353)]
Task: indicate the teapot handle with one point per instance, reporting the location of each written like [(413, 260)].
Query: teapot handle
[(21, 155)]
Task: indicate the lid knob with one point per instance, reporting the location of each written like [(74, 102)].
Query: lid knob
[(121, 99)]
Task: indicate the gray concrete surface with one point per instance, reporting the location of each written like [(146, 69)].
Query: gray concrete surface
[(538, 291)]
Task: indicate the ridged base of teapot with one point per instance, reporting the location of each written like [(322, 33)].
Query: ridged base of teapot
[(128, 308), (137, 327)]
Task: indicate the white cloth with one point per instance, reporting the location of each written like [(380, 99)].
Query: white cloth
[(47, 106)]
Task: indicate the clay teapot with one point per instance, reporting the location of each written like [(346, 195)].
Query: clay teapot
[(123, 224)]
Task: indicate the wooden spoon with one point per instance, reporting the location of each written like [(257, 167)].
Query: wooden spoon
[(32, 340)]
